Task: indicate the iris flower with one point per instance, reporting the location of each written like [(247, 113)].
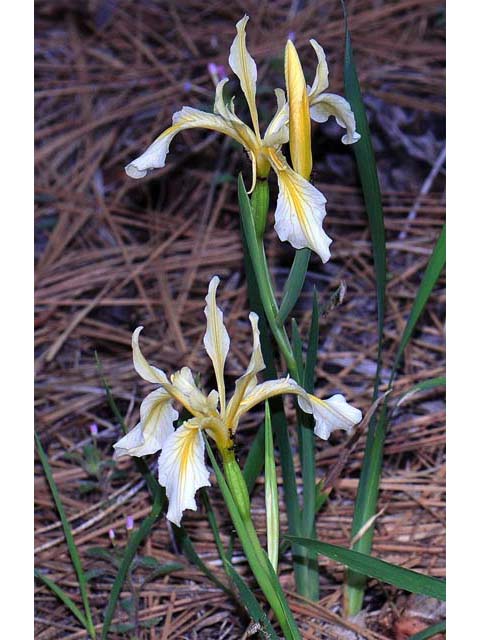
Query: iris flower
[(181, 465), (300, 206)]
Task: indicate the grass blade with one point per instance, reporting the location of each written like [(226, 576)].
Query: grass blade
[(425, 385), (440, 627), (128, 556), (271, 493), (372, 463), (67, 530), (430, 277), (375, 568), (294, 284), (62, 596)]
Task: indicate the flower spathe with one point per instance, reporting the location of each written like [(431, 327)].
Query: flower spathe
[(300, 206), (181, 465)]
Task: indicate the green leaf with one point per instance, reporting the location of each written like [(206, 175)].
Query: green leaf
[(375, 568), (62, 596), (294, 284), (425, 385), (271, 493), (67, 530), (440, 627), (251, 604), (430, 277), (134, 542)]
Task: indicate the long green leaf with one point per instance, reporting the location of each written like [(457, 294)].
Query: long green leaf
[(375, 568), (440, 627), (369, 483), (271, 493), (67, 530), (425, 385), (294, 284), (62, 596), (134, 542), (430, 277)]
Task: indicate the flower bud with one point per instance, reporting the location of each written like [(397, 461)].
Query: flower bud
[(298, 113)]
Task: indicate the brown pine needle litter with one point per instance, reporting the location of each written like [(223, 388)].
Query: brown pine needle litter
[(113, 253)]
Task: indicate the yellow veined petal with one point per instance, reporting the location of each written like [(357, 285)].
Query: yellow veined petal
[(299, 113), (156, 424), (186, 118), (277, 131), (244, 134), (320, 82), (248, 381), (216, 339), (333, 413), (184, 389), (244, 67), (300, 210), (182, 469), (145, 370), (329, 104)]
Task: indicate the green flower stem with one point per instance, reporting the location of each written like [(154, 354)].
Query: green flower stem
[(236, 491)]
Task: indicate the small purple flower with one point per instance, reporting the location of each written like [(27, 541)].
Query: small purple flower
[(94, 429), (111, 534), (291, 36), (187, 86), (129, 522), (216, 71)]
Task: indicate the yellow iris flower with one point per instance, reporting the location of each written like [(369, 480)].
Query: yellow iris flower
[(181, 465), (300, 206)]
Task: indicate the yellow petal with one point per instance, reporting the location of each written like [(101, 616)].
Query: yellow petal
[(145, 370), (182, 469), (216, 338), (269, 389), (156, 424), (299, 113), (300, 210), (329, 104), (244, 67), (320, 83), (248, 381), (186, 118)]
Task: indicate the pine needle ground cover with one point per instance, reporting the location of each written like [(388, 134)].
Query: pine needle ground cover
[(113, 254)]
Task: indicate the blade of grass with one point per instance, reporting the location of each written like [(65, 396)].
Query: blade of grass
[(62, 596), (129, 554), (246, 596), (271, 493), (367, 170), (366, 505), (67, 530), (294, 284), (430, 277), (440, 627), (425, 385), (379, 569)]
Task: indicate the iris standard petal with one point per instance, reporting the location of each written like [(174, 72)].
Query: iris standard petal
[(182, 469), (216, 339), (145, 370), (244, 67), (329, 104), (320, 82), (333, 413), (184, 389), (156, 424), (248, 381), (300, 210), (277, 131)]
